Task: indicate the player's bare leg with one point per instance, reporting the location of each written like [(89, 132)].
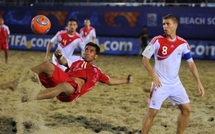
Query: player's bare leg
[(148, 119), (6, 56), (183, 117), (55, 91), (45, 67)]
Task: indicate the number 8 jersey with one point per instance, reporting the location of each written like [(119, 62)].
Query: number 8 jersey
[(168, 54)]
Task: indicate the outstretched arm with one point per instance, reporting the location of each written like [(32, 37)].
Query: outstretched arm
[(115, 81), (195, 73)]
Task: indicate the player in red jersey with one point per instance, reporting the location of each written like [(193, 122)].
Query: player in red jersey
[(4, 38), (88, 33), (67, 41), (168, 50), (80, 78)]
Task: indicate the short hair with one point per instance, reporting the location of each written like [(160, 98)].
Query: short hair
[(172, 17), (94, 45), (72, 19), (86, 19)]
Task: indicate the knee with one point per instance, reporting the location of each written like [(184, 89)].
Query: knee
[(152, 113), (186, 110), (46, 64), (47, 67), (65, 87)]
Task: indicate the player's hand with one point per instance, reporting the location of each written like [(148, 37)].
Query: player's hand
[(46, 58), (201, 89), (58, 54), (129, 78), (156, 81)]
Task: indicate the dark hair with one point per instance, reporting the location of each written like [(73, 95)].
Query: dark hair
[(72, 19), (172, 17), (94, 45)]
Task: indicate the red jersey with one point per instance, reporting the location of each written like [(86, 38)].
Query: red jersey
[(4, 33), (88, 34), (90, 73)]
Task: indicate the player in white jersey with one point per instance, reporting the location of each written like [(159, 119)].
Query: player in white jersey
[(4, 38), (68, 40), (168, 51), (88, 33)]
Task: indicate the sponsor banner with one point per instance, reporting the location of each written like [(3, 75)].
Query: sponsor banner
[(114, 46), (30, 42), (119, 46), (115, 21), (200, 49)]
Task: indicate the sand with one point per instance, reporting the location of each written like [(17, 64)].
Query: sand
[(104, 110)]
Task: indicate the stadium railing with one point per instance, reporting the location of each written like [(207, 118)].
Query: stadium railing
[(200, 3)]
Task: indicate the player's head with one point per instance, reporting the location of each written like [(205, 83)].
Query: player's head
[(172, 17), (144, 28), (170, 24), (97, 48), (87, 22), (91, 52), (1, 21), (72, 25)]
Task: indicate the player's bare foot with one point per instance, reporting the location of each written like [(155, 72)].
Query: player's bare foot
[(11, 85)]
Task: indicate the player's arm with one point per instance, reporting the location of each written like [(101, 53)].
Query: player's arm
[(60, 58), (192, 66), (48, 49), (49, 46), (94, 39), (81, 45), (148, 66), (115, 81), (8, 38), (94, 36), (194, 71), (8, 35), (81, 32)]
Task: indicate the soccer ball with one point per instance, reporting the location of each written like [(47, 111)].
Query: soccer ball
[(40, 24)]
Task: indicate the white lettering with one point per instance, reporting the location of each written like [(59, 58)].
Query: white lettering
[(200, 50), (191, 20), (21, 40), (39, 42), (18, 40), (118, 46), (207, 50), (211, 21)]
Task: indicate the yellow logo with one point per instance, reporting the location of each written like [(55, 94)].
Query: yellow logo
[(148, 47)]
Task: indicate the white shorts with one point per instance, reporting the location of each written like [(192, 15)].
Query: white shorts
[(177, 95)]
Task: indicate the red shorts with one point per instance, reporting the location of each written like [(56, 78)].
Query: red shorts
[(58, 77), (4, 46)]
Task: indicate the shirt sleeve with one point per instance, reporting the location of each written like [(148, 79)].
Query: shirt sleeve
[(149, 51), (7, 28), (186, 53), (94, 33), (103, 78), (55, 38)]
